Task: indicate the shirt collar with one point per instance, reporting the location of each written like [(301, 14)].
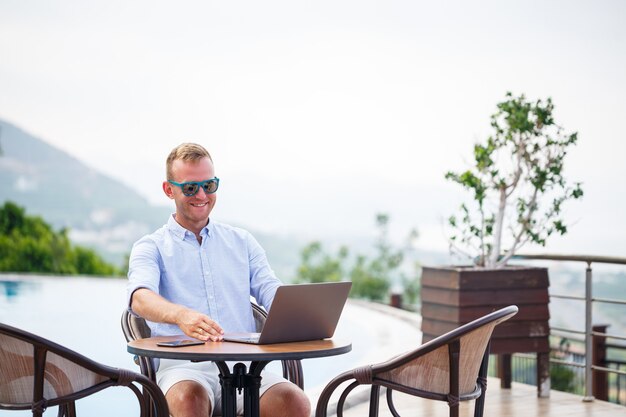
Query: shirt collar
[(208, 228), (180, 232)]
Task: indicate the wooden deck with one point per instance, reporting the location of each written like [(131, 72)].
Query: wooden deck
[(519, 401)]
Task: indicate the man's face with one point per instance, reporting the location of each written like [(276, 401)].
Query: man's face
[(191, 212)]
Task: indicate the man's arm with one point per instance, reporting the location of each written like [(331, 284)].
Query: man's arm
[(153, 307), (263, 281)]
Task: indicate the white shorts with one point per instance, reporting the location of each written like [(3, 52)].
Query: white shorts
[(172, 371)]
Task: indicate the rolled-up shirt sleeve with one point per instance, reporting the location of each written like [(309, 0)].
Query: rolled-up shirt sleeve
[(263, 280), (143, 268)]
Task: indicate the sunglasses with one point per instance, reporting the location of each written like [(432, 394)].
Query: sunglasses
[(191, 188)]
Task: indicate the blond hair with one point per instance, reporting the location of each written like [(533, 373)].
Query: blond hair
[(185, 152)]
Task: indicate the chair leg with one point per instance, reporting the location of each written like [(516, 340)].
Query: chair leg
[(454, 353), (479, 405), (67, 409), (71, 409), (324, 398), (374, 399), (390, 404), (147, 406)]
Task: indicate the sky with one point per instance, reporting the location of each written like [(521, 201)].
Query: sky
[(321, 114)]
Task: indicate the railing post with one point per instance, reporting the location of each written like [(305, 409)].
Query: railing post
[(396, 300), (588, 336), (600, 380)]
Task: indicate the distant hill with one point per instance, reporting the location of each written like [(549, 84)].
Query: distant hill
[(101, 212)]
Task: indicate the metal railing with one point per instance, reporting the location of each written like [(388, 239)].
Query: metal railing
[(589, 300), (567, 369)]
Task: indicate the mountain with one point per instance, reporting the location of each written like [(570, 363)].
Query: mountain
[(99, 211)]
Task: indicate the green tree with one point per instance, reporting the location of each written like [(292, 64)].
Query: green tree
[(412, 286), (562, 378), (87, 259), (371, 276), (29, 244), (520, 168), (368, 281), (318, 266)]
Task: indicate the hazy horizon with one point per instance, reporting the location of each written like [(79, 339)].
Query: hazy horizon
[(320, 115)]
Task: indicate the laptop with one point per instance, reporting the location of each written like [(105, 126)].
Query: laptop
[(300, 312)]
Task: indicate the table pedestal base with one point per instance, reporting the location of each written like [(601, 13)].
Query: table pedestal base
[(241, 378)]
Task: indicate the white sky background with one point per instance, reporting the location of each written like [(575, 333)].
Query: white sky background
[(321, 114)]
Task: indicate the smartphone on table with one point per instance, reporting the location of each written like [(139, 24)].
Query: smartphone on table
[(180, 343)]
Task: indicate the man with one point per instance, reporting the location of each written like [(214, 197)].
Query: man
[(194, 276)]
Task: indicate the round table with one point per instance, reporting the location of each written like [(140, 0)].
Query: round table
[(241, 377)]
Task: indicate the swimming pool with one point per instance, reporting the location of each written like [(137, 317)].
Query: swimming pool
[(83, 314)]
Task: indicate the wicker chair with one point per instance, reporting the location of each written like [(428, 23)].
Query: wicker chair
[(136, 328), (36, 373), (451, 368)]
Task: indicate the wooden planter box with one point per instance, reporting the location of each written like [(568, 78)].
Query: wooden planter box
[(452, 296)]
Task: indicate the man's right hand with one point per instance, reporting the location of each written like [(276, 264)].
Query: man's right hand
[(199, 326), (153, 307)]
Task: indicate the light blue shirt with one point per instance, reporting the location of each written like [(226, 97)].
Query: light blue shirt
[(216, 277)]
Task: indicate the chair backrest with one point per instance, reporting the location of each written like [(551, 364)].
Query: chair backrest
[(450, 359), (33, 369), (36, 373), (135, 327)]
